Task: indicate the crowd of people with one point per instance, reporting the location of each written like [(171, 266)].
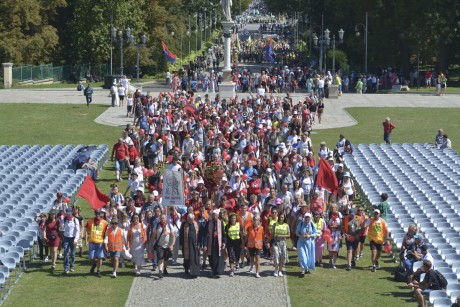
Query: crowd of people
[(249, 169)]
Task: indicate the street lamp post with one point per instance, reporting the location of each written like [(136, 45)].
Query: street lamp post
[(201, 30), (196, 32), (341, 32), (180, 32), (205, 24), (138, 51), (365, 26), (120, 37), (188, 34), (113, 36), (325, 42)]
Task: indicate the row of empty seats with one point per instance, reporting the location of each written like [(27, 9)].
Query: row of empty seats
[(423, 185), (31, 176)]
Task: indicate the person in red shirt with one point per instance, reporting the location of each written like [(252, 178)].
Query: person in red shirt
[(133, 154), (195, 202), (388, 126), (121, 153), (254, 185)]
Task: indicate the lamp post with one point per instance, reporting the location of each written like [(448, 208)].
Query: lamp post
[(201, 30), (188, 34), (120, 37), (205, 24), (341, 32), (325, 42), (138, 51), (365, 26), (180, 32), (113, 36), (196, 32)]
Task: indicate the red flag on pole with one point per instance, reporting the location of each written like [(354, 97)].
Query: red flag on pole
[(91, 193), (326, 177)]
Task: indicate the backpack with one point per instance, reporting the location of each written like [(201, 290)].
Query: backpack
[(400, 274), (441, 279)]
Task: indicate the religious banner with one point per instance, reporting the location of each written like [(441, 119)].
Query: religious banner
[(173, 189)]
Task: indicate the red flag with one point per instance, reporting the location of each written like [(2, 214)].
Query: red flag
[(91, 193), (326, 177)]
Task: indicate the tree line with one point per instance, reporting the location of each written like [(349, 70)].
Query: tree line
[(399, 32), (34, 32)]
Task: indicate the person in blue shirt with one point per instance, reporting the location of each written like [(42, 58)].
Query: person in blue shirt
[(88, 92)]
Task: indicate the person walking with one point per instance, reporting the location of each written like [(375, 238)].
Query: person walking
[(121, 153), (113, 243), (378, 236), (40, 219), (136, 240), (280, 232), (162, 242), (188, 240), (388, 127), (306, 231), (353, 226), (95, 234), (255, 244), (234, 234), (88, 92), (216, 242), (51, 235), (71, 236)]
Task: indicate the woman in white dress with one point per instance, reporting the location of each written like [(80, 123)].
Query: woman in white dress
[(137, 238)]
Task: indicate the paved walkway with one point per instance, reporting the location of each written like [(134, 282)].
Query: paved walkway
[(335, 115), (204, 291)]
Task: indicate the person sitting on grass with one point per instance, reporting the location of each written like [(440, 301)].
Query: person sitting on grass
[(429, 283)]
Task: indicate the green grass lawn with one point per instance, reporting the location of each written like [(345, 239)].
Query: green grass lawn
[(65, 124), (74, 124)]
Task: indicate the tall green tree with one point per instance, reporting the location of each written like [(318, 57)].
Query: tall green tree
[(91, 24), (26, 36)]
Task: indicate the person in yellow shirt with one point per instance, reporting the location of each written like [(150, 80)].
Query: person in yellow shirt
[(95, 234), (338, 81), (378, 236)]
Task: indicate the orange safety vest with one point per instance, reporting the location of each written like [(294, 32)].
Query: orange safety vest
[(247, 222), (255, 240), (115, 241), (96, 232)]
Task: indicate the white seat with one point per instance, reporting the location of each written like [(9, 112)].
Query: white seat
[(437, 294), (442, 302)]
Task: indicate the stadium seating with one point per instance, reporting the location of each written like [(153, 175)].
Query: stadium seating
[(31, 176), (423, 185)]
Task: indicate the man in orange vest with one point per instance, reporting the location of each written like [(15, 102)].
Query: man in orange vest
[(113, 243), (255, 244), (95, 229)]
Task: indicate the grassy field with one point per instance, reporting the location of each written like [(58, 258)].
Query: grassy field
[(65, 124), (72, 124)]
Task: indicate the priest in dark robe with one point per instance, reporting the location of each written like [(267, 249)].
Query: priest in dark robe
[(188, 241), (215, 246)]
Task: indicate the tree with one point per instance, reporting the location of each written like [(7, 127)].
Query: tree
[(91, 24), (26, 36)]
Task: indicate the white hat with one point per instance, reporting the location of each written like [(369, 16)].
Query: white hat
[(269, 170), (155, 193), (377, 211), (224, 179), (307, 215), (346, 174), (217, 211)]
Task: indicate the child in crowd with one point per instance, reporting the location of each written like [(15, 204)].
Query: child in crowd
[(334, 245)]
